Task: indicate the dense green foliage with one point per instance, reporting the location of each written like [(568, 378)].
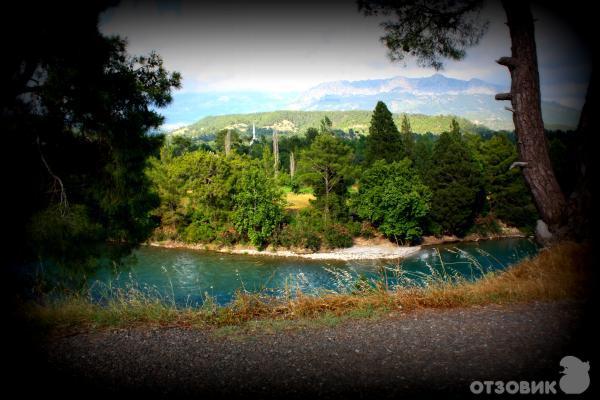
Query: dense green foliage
[(430, 33), (384, 141), (393, 197), (408, 139), (455, 180), (258, 208), (207, 197), (452, 183), (78, 114), (507, 195), (326, 166)]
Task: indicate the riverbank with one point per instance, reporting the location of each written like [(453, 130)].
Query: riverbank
[(377, 248), (505, 232), (363, 249)]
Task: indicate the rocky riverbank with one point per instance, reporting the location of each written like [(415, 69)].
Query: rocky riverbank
[(362, 250)]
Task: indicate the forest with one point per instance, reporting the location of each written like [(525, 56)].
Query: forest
[(345, 123), (392, 182)]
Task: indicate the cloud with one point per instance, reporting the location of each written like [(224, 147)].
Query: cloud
[(292, 46), (172, 126)]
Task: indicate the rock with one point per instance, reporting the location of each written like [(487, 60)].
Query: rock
[(542, 233)]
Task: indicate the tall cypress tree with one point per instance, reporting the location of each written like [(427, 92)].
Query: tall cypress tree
[(384, 141), (407, 137)]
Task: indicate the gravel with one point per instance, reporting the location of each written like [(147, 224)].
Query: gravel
[(431, 351), (356, 252)]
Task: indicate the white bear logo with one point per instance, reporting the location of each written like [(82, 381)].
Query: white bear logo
[(576, 379)]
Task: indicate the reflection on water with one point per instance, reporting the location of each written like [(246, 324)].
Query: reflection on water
[(187, 276)]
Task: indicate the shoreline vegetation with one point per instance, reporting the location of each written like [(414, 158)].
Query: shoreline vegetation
[(557, 273), (377, 248)]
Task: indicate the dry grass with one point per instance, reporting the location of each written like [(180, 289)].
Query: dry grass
[(561, 272), (298, 201)]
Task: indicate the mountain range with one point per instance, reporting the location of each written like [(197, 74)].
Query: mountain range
[(434, 95)]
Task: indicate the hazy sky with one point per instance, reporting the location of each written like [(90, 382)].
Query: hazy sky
[(278, 47)]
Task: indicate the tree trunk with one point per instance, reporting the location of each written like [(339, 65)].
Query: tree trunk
[(527, 114), (292, 165), (227, 143), (275, 152)]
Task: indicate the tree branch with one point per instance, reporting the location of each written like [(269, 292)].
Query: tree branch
[(504, 96), (508, 62), (521, 164), (58, 185)]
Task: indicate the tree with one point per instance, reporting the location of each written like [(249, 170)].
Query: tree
[(292, 165), (180, 144), (326, 165), (228, 140), (455, 181), (78, 114), (432, 30), (454, 127), (394, 199), (275, 151), (384, 141), (311, 134), (506, 190), (195, 187), (326, 125), (527, 114), (408, 141), (258, 209), (423, 154)]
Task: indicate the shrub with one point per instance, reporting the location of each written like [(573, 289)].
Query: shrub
[(295, 185), (227, 235), (486, 226), (354, 228), (367, 230), (336, 236), (311, 241), (296, 235), (199, 231)]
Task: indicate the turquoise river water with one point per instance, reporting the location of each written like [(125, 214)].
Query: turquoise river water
[(188, 277)]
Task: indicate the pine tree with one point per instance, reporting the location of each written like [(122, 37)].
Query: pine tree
[(326, 125), (407, 137), (327, 166), (455, 180), (507, 194), (384, 141), (454, 127)]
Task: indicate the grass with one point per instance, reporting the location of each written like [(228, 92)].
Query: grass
[(560, 272), (298, 201)]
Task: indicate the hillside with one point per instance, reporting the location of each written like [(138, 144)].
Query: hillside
[(296, 122)]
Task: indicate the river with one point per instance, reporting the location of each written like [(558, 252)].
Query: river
[(189, 277)]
